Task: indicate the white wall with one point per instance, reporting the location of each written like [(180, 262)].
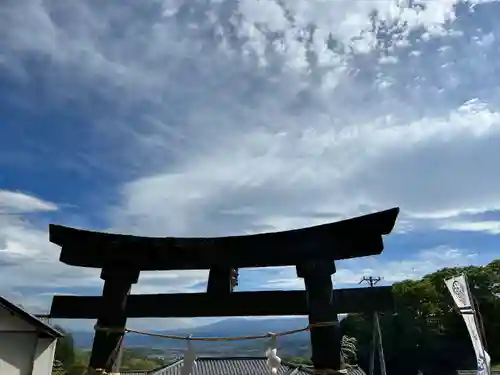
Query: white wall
[(9, 322), (44, 356), (16, 352), (21, 351)]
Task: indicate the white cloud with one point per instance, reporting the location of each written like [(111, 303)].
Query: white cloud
[(322, 172), (488, 226), (341, 160), (349, 273), (153, 282), (27, 259), (15, 202), (32, 273), (418, 265)]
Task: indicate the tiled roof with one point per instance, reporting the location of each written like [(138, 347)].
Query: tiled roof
[(235, 366)]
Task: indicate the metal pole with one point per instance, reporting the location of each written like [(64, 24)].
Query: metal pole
[(372, 281), (373, 346), (380, 347)]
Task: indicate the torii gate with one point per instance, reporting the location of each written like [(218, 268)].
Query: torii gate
[(313, 251)]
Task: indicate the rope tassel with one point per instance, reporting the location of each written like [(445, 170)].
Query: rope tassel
[(273, 361)]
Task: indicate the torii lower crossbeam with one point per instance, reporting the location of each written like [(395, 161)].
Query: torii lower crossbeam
[(191, 305)]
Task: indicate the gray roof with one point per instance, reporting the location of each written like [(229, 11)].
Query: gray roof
[(234, 366), (42, 328)]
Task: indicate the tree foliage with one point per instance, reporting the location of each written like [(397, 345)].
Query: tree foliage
[(425, 332), (65, 349), (72, 361)]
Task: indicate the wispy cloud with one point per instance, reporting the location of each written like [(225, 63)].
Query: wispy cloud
[(487, 226), (413, 267), (15, 202)]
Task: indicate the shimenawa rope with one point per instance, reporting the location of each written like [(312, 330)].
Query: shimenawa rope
[(234, 338)]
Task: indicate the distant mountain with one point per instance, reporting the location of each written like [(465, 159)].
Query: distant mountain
[(245, 326), (226, 327)]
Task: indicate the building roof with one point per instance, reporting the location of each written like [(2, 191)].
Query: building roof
[(41, 327), (234, 366)]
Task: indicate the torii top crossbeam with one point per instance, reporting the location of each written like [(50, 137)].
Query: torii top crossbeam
[(352, 238)]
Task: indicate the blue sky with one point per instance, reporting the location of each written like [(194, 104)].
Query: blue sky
[(170, 118)]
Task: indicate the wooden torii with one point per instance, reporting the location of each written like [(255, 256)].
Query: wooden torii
[(313, 251)]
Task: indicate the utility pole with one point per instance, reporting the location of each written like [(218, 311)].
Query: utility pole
[(376, 334)]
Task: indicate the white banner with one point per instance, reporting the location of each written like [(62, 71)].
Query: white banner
[(463, 299)]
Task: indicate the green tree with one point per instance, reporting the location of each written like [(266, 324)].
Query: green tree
[(137, 359), (58, 368), (300, 361), (425, 329), (65, 349)]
